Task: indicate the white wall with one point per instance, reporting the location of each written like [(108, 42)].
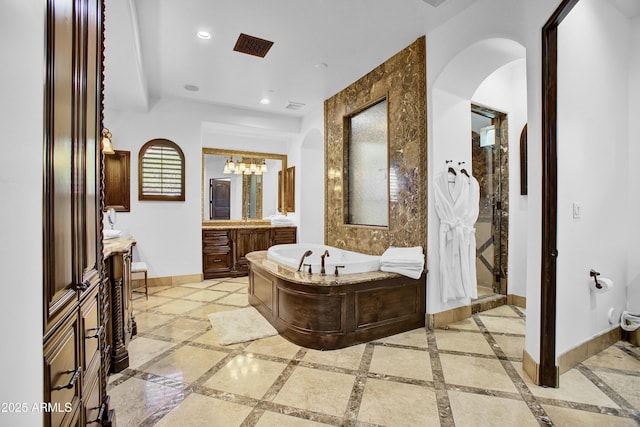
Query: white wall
[(633, 266), (21, 117), (168, 234), (593, 153)]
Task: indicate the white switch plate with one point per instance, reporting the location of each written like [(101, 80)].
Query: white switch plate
[(577, 210)]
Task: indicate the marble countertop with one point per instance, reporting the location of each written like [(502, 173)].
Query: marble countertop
[(286, 273), (248, 225), (117, 245)]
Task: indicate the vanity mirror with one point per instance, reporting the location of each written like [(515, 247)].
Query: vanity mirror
[(241, 185)]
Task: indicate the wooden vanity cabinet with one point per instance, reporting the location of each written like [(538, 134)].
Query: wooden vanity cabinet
[(122, 321), (224, 250)]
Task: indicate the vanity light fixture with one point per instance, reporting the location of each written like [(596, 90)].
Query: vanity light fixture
[(107, 145), (263, 166)]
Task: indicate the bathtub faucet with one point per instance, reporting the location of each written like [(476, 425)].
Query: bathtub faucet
[(304, 255), (326, 253)]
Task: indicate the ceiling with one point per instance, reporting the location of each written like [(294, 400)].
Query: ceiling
[(319, 48)]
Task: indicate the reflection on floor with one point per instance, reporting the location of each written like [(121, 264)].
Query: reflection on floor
[(467, 375)]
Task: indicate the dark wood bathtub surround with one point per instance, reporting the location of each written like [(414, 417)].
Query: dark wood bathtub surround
[(328, 312), (402, 80)]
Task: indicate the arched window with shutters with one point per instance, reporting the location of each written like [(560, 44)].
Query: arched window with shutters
[(161, 171)]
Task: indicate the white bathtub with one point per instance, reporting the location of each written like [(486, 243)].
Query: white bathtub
[(353, 262)]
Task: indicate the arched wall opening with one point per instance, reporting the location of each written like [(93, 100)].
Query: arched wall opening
[(491, 73)]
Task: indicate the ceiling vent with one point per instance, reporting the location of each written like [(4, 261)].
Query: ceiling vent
[(252, 45), (434, 3), (294, 105)]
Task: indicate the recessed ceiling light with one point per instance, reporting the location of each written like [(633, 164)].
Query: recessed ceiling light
[(204, 35), (265, 101), (192, 88)]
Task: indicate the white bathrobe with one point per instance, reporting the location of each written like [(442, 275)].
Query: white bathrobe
[(451, 194), (470, 218)]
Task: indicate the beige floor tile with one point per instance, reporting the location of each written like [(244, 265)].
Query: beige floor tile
[(244, 280), (348, 358), (395, 404), (627, 386), (503, 310), (179, 307), (136, 399), (147, 320), (247, 376), (566, 417), (156, 289), (176, 292), (211, 338), (476, 372), (504, 324), (475, 410), (271, 419), (141, 303), (198, 410), (141, 350), (574, 387), (511, 346), (273, 346), (186, 364), (467, 324), (316, 390), (414, 338), (615, 358), (401, 362), (181, 329), (228, 286), (204, 311), (465, 342), (199, 285), (205, 295), (239, 300)]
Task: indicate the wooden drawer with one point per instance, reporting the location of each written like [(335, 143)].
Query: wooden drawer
[(217, 262), (216, 238), (62, 373), (282, 235), (92, 331), (91, 402)]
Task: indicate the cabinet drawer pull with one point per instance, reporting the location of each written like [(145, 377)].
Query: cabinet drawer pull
[(83, 286), (72, 382), (98, 332), (217, 260), (100, 414)]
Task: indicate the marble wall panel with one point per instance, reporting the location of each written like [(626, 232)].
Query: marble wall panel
[(402, 80)]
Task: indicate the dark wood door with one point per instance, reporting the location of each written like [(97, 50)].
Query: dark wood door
[(219, 199)]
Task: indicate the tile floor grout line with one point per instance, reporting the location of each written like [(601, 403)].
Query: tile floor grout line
[(609, 392), (528, 397), (445, 413), (352, 410)]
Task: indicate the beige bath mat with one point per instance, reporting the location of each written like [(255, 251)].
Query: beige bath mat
[(245, 324)]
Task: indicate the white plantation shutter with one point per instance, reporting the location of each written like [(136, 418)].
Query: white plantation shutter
[(161, 171)]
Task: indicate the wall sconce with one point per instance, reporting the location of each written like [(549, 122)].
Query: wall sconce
[(107, 146)]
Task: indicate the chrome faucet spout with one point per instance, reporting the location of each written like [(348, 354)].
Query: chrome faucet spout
[(326, 253), (304, 255)]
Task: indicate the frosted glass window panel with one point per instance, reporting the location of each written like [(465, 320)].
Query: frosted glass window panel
[(368, 166)]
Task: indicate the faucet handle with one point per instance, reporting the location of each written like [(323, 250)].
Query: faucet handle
[(337, 267), (308, 265)]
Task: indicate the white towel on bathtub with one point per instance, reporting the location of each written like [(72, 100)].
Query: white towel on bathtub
[(406, 261), (413, 273)]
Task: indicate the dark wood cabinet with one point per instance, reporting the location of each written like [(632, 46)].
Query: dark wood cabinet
[(224, 250), (73, 267), (122, 326)]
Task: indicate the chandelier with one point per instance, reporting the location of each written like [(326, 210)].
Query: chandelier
[(245, 166)]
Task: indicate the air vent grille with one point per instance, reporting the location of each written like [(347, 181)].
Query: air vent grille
[(294, 105), (252, 45)]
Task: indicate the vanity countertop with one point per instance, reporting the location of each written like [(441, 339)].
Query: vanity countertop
[(303, 278), (117, 245), (241, 226)]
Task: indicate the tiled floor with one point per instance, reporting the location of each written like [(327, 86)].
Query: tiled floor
[(467, 375)]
